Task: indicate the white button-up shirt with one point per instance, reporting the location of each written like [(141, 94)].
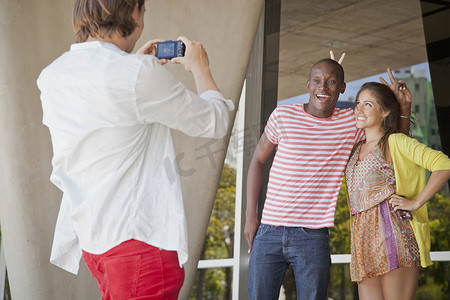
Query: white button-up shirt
[(109, 114)]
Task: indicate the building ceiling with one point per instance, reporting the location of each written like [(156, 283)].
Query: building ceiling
[(375, 34)]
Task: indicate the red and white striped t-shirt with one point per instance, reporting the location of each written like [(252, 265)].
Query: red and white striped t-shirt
[(309, 164)]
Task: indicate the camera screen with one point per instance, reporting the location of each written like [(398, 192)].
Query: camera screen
[(166, 50)]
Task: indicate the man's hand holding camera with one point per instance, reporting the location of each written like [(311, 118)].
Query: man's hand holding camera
[(195, 60), (150, 48)]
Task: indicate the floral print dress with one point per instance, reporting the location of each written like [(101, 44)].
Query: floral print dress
[(381, 239)]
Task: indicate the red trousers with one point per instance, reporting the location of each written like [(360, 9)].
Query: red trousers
[(136, 270)]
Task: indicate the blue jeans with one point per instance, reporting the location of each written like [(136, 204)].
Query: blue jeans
[(275, 247)]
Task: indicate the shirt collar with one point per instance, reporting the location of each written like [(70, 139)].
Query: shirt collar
[(93, 45)]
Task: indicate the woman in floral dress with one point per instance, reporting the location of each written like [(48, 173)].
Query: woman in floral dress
[(388, 192)]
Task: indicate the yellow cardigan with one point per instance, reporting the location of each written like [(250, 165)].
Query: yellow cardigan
[(410, 159)]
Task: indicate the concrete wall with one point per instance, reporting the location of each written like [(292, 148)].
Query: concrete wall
[(34, 33)]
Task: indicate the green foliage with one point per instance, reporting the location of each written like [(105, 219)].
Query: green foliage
[(341, 286), (434, 280), (219, 237), (438, 212), (340, 233), (216, 283), (429, 290)]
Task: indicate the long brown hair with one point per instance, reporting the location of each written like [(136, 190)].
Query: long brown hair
[(102, 18), (388, 103)]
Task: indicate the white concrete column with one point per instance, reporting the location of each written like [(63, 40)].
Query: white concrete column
[(227, 30), (32, 34)]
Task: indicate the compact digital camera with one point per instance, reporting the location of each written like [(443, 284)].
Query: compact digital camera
[(170, 49)]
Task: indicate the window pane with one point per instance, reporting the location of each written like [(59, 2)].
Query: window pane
[(219, 240), (434, 282), (438, 212), (340, 233), (212, 284)]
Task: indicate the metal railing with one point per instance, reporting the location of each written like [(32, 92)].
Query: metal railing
[(335, 259)]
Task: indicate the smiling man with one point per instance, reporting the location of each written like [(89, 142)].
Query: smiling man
[(313, 142), (326, 82)]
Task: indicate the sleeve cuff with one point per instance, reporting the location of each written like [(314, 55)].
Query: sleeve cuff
[(216, 95)]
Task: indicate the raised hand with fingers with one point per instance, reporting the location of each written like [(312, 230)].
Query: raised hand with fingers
[(401, 92), (340, 59)]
